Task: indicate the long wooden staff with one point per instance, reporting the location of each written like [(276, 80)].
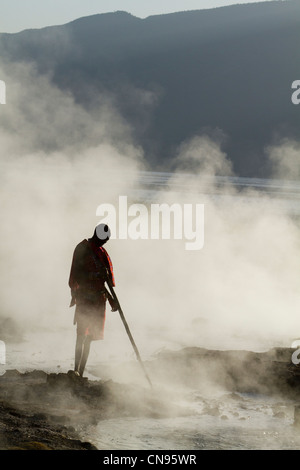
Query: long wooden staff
[(115, 298)]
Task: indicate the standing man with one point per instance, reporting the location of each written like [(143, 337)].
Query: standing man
[(90, 266)]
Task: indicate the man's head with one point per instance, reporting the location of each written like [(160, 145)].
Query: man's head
[(101, 234)]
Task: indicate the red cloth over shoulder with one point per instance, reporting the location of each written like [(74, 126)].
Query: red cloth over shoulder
[(82, 259), (104, 258)]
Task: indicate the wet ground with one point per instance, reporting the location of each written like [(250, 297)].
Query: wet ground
[(51, 411), (40, 410)]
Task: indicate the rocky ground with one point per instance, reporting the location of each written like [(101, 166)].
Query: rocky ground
[(40, 411), (47, 411)]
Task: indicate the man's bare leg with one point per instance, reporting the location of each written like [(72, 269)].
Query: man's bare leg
[(82, 350)]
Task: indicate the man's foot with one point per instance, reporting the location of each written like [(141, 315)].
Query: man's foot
[(73, 373)]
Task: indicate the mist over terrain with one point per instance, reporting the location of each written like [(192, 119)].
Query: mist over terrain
[(226, 72), (92, 104)]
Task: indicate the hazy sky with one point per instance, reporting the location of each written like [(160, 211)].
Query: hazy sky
[(16, 15)]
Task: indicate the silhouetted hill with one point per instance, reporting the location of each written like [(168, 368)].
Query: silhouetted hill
[(227, 69)]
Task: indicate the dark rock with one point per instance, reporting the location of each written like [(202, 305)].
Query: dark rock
[(11, 373)]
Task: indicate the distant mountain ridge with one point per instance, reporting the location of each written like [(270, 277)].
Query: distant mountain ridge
[(173, 76)]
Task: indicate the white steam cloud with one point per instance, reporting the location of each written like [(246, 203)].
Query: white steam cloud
[(59, 162), (285, 159)]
